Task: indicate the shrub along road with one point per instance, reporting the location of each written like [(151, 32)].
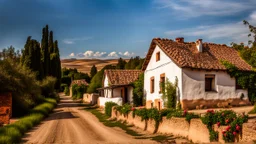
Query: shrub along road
[(72, 124)]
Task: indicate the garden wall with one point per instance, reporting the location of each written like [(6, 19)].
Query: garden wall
[(5, 108), (90, 98), (195, 131)]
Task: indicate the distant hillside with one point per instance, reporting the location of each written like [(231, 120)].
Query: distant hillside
[(84, 65)]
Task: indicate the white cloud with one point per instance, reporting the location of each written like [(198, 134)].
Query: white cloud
[(113, 54), (72, 55), (102, 55), (196, 8), (236, 32), (73, 40), (128, 54)]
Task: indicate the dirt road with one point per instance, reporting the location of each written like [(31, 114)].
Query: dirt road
[(70, 124)]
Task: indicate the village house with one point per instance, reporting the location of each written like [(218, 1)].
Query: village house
[(202, 80), (117, 86)]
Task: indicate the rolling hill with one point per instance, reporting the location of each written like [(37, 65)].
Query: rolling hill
[(84, 65)]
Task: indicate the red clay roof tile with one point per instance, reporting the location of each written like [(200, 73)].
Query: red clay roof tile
[(122, 77), (186, 55)]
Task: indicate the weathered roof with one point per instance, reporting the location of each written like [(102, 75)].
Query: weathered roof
[(186, 55), (122, 77), (79, 82)]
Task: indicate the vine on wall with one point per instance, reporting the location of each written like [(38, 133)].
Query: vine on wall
[(246, 79), (169, 95)]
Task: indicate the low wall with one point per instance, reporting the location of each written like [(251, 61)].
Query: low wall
[(103, 100), (176, 126), (249, 131), (90, 98), (198, 132), (5, 108), (195, 131)]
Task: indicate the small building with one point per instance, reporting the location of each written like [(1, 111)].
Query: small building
[(203, 81), (78, 82), (117, 86)]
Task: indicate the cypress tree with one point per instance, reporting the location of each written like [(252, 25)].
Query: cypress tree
[(51, 51), (45, 50), (93, 71), (57, 68)]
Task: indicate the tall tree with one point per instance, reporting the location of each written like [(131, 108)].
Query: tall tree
[(45, 50), (56, 64), (252, 30), (52, 62), (121, 64), (93, 71)]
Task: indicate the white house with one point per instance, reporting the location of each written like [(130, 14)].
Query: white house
[(117, 86), (202, 80)]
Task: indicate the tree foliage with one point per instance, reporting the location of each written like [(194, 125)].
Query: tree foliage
[(121, 64), (93, 71), (138, 97)]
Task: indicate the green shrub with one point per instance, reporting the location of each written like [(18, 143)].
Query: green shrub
[(48, 85), (78, 91), (63, 86), (66, 91), (13, 133), (108, 108), (227, 118)]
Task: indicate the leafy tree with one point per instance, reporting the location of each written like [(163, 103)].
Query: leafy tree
[(121, 64), (10, 53), (138, 98), (253, 31), (96, 81), (45, 50), (93, 71)]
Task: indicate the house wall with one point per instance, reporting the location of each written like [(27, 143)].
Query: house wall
[(194, 94), (106, 81), (156, 68)]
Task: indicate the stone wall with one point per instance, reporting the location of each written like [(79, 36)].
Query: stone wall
[(198, 132), (5, 108), (90, 98), (249, 131), (176, 126), (195, 131)]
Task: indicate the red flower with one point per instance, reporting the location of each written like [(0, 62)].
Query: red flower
[(218, 124), (133, 108), (237, 127), (234, 133), (227, 120), (228, 128), (222, 114), (223, 132)]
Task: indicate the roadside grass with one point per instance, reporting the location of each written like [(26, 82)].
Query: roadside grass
[(123, 125), (13, 133), (253, 111)]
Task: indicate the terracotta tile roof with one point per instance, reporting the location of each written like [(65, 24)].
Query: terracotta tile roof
[(79, 82), (186, 55), (122, 77)]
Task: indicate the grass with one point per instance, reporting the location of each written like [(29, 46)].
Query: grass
[(253, 111), (123, 125), (112, 123), (13, 133)]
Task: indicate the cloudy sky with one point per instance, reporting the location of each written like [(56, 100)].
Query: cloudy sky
[(123, 28)]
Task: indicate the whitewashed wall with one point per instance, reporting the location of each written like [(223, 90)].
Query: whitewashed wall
[(103, 100), (156, 68), (193, 84)]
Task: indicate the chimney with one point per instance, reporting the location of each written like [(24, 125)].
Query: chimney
[(179, 39), (199, 45)]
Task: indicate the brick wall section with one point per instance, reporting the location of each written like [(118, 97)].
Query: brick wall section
[(5, 108)]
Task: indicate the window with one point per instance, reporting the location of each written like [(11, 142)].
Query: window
[(162, 82), (152, 85), (209, 82), (238, 86), (158, 56)]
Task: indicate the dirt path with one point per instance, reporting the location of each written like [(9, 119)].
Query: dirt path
[(70, 124)]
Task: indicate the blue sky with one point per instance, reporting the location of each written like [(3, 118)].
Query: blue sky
[(122, 28)]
